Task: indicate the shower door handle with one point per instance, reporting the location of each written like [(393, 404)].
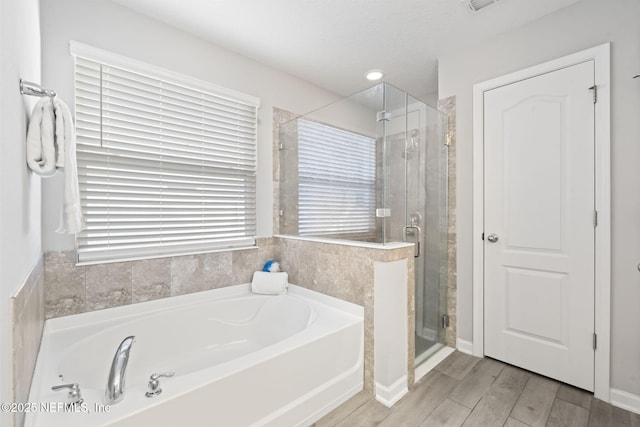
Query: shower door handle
[(418, 231)]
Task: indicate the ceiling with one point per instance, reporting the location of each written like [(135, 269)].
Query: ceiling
[(333, 43)]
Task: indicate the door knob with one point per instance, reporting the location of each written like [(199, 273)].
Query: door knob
[(492, 238)]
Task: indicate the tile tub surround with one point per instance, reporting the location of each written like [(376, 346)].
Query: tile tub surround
[(335, 269), (27, 321), (71, 289), (345, 271)]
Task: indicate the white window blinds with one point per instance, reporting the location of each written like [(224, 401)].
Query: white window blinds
[(337, 182), (164, 168)]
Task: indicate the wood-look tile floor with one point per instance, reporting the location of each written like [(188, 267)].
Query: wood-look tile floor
[(468, 391)]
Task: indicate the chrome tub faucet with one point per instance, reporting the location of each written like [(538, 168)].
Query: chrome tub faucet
[(115, 383)]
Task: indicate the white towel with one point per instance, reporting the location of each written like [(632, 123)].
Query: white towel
[(71, 220), (51, 144), (266, 283), (41, 150)]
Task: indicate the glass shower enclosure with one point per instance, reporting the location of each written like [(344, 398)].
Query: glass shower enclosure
[(373, 168)]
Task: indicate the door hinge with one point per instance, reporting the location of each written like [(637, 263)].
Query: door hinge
[(595, 219), (280, 147), (595, 340), (445, 321), (383, 115), (281, 212), (448, 140), (594, 88), (482, 236)]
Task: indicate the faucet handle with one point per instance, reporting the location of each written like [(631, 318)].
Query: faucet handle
[(154, 383), (154, 377), (74, 392)]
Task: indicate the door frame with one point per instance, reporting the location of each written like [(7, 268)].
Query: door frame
[(601, 57)]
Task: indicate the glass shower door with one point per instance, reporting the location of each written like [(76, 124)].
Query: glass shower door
[(415, 174), (425, 157)]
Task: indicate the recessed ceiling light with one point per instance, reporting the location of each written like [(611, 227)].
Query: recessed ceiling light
[(374, 75)]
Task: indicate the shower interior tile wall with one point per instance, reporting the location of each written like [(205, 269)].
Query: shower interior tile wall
[(448, 107), (27, 318), (283, 189)]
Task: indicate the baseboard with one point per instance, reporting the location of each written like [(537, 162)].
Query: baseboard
[(464, 346), (625, 400), (390, 395)]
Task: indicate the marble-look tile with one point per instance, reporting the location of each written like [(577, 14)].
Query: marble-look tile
[(279, 117), (60, 257), (339, 277), (217, 269), (27, 323), (448, 107), (290, 260), (23, 297), (369, 340), (187, 275), (451, 331), (108, 285), (195, 273), (411, 351), (150, 279), (276, 207), (246, 262), (285, 192), (396, 254), (451, 301), (65, 291), (369, 345)]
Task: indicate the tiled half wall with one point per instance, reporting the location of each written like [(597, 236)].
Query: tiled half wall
[(27, 321), (346, 272)]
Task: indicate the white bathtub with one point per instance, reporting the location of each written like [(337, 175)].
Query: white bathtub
[(239, 360)]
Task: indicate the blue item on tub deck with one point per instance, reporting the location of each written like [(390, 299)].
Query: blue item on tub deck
[(271, 266)]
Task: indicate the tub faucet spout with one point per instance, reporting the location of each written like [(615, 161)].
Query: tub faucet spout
[(115, 382)]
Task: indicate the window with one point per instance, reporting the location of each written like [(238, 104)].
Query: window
[(337, 182), (166, 164)]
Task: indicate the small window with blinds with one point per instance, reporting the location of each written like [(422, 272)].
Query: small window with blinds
[(337, 182), (165, 168)]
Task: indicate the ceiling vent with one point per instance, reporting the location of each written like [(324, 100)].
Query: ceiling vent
[(476, 5)]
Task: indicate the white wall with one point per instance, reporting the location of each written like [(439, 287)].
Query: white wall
[(112, 27), (20, 246), (586, 24), (390, 330)]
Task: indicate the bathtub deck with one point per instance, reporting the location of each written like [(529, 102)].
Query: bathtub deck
[(466, 390)]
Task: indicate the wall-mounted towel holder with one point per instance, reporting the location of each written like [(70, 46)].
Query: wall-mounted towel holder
[(34, 89)]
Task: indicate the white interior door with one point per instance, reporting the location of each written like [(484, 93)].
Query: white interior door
[(539, 245)]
